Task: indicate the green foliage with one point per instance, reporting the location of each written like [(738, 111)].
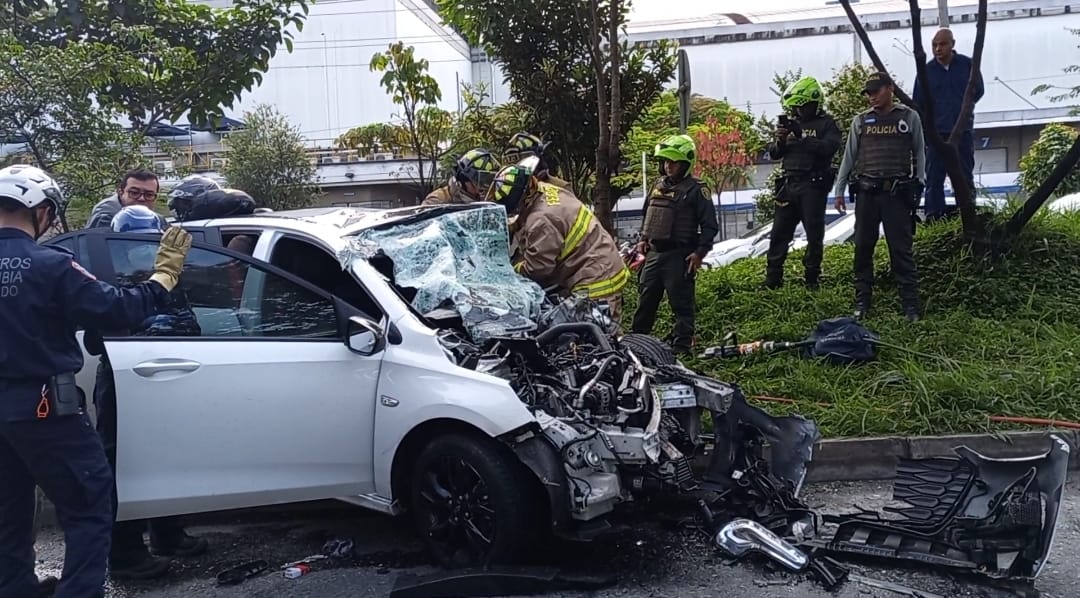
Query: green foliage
[(483, 125), (764, 201), (46, 102), (268, 159), (661, 120), (1035, 166), (183, 57), (999, 337), (544, 48), (426, 127), (1063, 94)]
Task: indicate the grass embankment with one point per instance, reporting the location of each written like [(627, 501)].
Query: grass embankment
[(998, 338)]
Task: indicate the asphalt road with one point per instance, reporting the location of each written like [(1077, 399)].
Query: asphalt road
[(654, 557)]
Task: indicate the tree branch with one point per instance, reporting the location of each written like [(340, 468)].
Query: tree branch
[(968, 107), (926, 112), (616, 116)]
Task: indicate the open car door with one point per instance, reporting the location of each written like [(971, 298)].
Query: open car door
[(262, 403)]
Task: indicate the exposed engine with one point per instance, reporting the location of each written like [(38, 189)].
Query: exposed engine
[(621, 426)]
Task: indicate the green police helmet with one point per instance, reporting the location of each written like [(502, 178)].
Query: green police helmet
[(802, 92), (677, 148)]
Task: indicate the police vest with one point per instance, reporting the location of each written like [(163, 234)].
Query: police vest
[(798, 159), (885, 150), (672, 213)]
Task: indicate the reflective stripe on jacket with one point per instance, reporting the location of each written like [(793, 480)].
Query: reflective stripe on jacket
[(560, 242)]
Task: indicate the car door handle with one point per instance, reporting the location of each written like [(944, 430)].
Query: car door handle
[(149, 368)]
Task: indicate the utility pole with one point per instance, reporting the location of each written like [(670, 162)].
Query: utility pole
[(943, 13)]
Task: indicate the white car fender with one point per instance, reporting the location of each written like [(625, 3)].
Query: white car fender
[(421, 390)]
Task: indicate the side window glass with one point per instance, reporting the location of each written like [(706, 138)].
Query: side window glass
[(220, 296)]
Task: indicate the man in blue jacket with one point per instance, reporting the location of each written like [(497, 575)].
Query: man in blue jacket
[(947, 75)]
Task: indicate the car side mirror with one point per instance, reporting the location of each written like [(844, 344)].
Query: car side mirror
[(363, 336)]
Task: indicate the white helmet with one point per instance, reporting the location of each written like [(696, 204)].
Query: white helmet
[(31, 187)]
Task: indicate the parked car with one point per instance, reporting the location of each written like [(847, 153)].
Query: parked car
[(394, 360), (752, 243)]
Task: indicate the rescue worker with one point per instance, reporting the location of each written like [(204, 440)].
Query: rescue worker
[(677, 233), (886, 162), (46, 437), (470, 180), (129, 557), (525, 145), (560, 242), (807, 146)]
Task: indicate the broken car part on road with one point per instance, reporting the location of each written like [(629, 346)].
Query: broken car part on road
[(841, 341)]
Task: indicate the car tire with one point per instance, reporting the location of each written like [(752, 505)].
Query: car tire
[(472, 503), (650, 350)]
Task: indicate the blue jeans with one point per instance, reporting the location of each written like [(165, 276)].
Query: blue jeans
[(64, 456), (935, 174)]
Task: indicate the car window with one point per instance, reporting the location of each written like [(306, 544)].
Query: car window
[(227, 297), (316, 265)]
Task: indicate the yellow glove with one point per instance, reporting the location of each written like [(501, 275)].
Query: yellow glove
[(174, 247)]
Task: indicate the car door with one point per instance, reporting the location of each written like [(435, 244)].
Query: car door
[(265, 405)]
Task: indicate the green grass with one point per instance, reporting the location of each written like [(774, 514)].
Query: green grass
[(999, 337)]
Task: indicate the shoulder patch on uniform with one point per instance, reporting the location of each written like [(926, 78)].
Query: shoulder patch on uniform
[(82, 270)]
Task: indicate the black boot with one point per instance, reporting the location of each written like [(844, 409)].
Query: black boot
[(862, 308)]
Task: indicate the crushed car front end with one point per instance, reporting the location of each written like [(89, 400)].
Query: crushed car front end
[(616, 416)]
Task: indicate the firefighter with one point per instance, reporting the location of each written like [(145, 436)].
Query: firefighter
[(885, 158), (525, 145), (807, 146), (560, 242), (676, 235), (471, 178)]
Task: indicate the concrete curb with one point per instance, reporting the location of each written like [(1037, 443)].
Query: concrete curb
[(863, 459)]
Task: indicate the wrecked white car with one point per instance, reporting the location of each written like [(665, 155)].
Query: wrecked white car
[(394, 360)]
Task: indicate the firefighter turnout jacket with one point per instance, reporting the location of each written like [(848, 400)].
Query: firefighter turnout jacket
[(560, 242)]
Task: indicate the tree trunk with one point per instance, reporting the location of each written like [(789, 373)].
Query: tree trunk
[(601, 193)]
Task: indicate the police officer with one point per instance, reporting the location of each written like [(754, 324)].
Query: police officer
[(522, 146), (471, 178), (559, 242), (128, 556), (677, 233), (807, 145), (886, 162), (45, 434)]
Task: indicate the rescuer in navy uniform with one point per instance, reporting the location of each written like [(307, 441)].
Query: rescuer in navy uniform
[(46, 438)]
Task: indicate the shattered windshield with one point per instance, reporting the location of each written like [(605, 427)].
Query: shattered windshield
[(461, 260)]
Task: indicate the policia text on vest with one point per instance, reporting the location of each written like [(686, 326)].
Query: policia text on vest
[(884, 164)]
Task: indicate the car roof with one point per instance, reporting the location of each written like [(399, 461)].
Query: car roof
[(335, 222)]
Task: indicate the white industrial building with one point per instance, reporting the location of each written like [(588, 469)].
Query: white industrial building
[(325, 86)]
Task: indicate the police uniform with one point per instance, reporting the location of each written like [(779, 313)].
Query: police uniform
[(885, 161), (680, 219), (44, 295), (801, 195)]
